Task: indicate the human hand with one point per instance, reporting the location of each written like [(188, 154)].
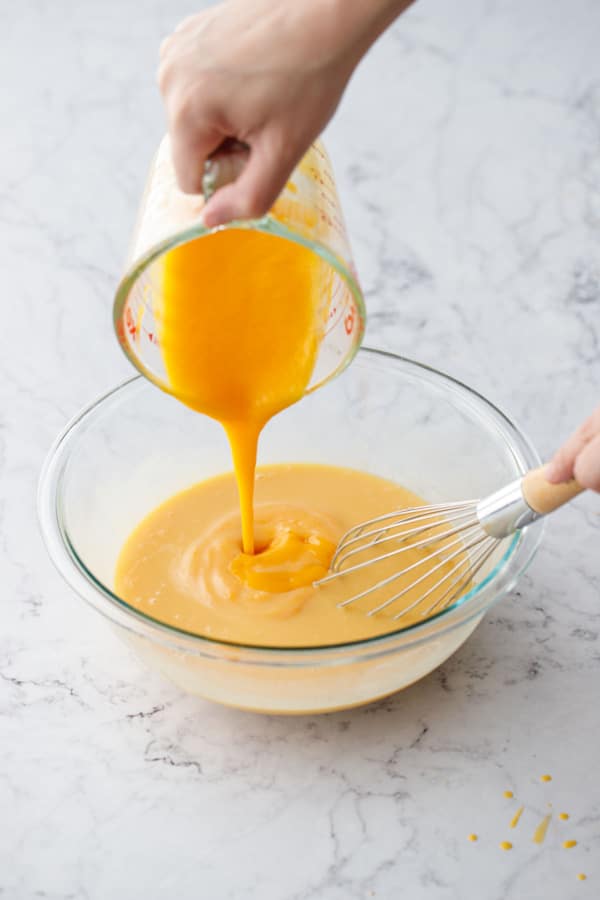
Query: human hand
[(269, 73), (579, 457)]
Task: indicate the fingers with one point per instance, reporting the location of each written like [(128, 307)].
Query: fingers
[(585, 440), (189, 105), (587, 465), (190, 148), (164, 47), (254, 192), (560, 467), (193, 135), (184, 25)]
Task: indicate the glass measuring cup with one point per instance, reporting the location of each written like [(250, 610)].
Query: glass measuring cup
[(307, 212)]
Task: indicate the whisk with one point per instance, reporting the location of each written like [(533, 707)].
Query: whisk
[(456, 538)]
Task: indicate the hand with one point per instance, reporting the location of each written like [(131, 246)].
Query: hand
[(580, 456), (269, 73)]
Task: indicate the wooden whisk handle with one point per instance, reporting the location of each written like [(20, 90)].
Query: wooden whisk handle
[(544, 497)]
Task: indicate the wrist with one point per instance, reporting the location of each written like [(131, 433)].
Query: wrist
[(358, 23)]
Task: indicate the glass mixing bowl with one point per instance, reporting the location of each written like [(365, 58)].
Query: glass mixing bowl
[(135, 447)]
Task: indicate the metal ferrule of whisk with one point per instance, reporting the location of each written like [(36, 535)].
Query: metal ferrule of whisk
[(505, 511)]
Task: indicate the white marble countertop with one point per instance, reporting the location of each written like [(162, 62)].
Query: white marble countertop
[(467, 152)]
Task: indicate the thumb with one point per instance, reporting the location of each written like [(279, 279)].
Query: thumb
[(254, 191), (587, 465)]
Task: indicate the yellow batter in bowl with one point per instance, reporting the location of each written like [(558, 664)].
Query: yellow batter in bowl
[(184, 563)]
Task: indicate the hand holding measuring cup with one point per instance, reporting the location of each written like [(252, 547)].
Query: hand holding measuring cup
[(268, 73)]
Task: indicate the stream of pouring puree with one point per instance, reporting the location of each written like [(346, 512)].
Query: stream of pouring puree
[(240, 328)]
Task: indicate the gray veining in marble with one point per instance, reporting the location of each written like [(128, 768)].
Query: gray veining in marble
[(467, 152)]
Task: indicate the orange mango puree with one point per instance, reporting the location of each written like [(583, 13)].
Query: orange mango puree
[(240, 330)]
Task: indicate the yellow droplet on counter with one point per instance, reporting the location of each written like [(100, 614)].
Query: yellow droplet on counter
[(563, 816), (506, 845), (508, 794), (546, 778), (539, 835), (473, 838), (581, 876), (515, 819), (568, 845)]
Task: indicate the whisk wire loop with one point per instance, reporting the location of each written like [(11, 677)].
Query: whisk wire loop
[(461, 581), (459, 537), (401, 518), (426, 542), (383, 535), (424, 561), (460, 550)]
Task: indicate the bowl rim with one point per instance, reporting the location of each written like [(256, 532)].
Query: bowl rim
[(74, 571)]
